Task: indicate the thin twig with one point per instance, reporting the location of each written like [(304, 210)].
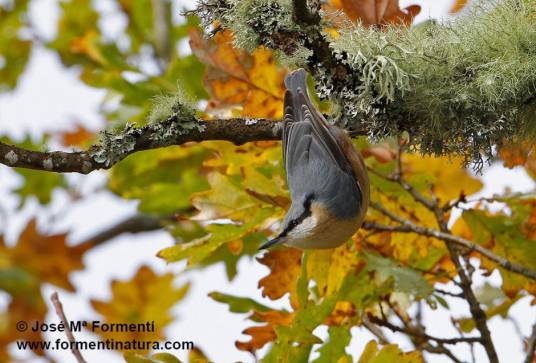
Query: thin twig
[(377, 332), (448, 293), (61, 314), (136, 224), (421, 335), (441, 349), (407, 226)]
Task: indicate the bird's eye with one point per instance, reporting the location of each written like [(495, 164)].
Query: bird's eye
[(293, 223)]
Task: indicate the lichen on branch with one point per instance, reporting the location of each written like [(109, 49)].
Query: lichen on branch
[(171, 117), (456, 88)]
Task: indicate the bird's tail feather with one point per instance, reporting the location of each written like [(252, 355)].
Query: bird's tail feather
[(295, 80), (296, 84)]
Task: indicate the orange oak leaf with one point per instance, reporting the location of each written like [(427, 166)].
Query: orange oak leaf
[(382, 154), (260, 335), (263, 334), (147, 297), (48, 258), (88, 45), (523, 154), (284, 265), (457, 6), (237, 81), (343, 311), (77, 137), (377, 12), (21, 310)]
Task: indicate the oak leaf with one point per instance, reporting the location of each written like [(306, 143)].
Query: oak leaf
[(80, 136), (377, 12), (260, 335), (47, 257), (147, 297), (389, 353), (458, 6), (250, 84), (520, 154), (21, 309), (285, 266)]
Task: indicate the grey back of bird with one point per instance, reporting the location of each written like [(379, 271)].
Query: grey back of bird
[(315, 160)]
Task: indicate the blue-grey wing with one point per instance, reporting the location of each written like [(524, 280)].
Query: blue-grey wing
[(310, 170), (314, 160)]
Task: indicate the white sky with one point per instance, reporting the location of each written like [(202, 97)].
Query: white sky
[(50, 97)]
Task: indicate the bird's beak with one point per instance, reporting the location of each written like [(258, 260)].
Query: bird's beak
[(271, 242)]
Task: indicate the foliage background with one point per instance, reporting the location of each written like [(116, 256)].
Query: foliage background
[(51, 99)]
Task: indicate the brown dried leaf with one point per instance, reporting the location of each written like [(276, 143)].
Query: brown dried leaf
[(377, 12)]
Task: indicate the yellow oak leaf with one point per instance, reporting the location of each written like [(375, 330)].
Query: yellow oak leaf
[(446, 176), (146, 298), (231, 159), (196, 355), (224, 200), (389, 353)]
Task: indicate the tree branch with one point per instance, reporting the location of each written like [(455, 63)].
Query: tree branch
[(236, 130), (421, 335), (136, 224), (302, 14), (408, 227), (377, 332)]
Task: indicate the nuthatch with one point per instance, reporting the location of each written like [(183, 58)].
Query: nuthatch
[(326, 175)]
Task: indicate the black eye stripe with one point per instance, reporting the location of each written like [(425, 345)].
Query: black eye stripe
[(306, 213)]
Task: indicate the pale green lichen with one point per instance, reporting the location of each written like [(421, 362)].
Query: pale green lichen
[(171, 116), (253, 22), (168, 105), (298, 58), (456, 88), (462, 87), (114, 145)]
